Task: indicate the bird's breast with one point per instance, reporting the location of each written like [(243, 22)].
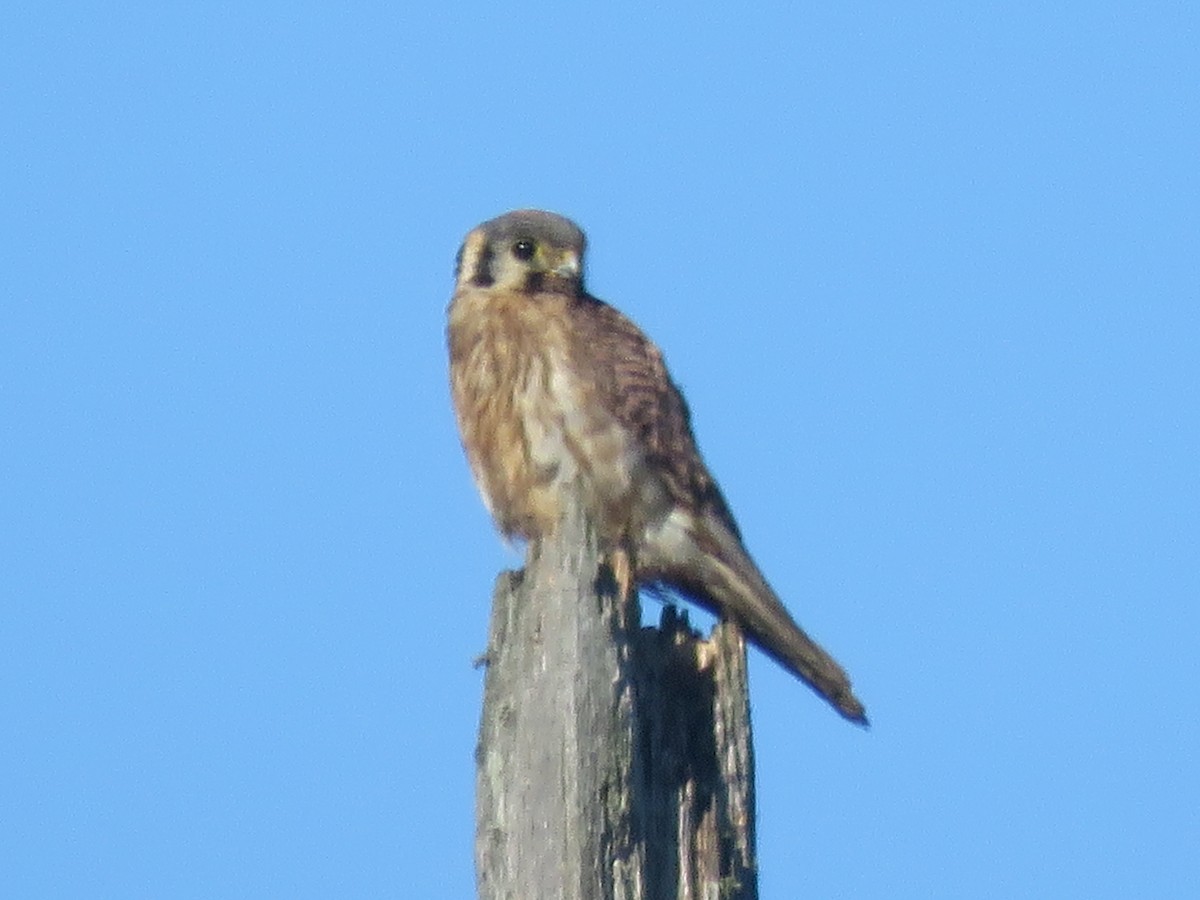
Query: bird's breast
[(533, 418)]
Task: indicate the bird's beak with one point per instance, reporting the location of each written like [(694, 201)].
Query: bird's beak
[(568, 265)]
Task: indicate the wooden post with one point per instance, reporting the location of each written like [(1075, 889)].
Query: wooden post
[(614, 762)]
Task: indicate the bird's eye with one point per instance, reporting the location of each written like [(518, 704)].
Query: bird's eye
[(523, 250)]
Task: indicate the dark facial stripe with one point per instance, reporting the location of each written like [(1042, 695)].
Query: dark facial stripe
[(534, 282), (482, 276), (549, 283)]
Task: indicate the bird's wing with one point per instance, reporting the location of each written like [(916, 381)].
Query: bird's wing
[(638, 391)]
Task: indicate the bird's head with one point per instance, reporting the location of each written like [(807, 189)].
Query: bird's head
[(526, 250)]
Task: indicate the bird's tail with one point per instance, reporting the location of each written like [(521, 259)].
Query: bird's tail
[(738, 589)]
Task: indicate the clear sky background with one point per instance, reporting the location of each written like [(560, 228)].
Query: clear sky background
[(928, 275)]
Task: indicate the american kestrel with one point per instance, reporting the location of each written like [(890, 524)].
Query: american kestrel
[(555, 391)]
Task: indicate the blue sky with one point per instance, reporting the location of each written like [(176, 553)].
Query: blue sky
[(929, 277)]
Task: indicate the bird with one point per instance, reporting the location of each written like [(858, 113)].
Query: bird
[(555, 390)]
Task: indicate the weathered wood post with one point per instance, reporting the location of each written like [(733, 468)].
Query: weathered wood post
[(614, 762)]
